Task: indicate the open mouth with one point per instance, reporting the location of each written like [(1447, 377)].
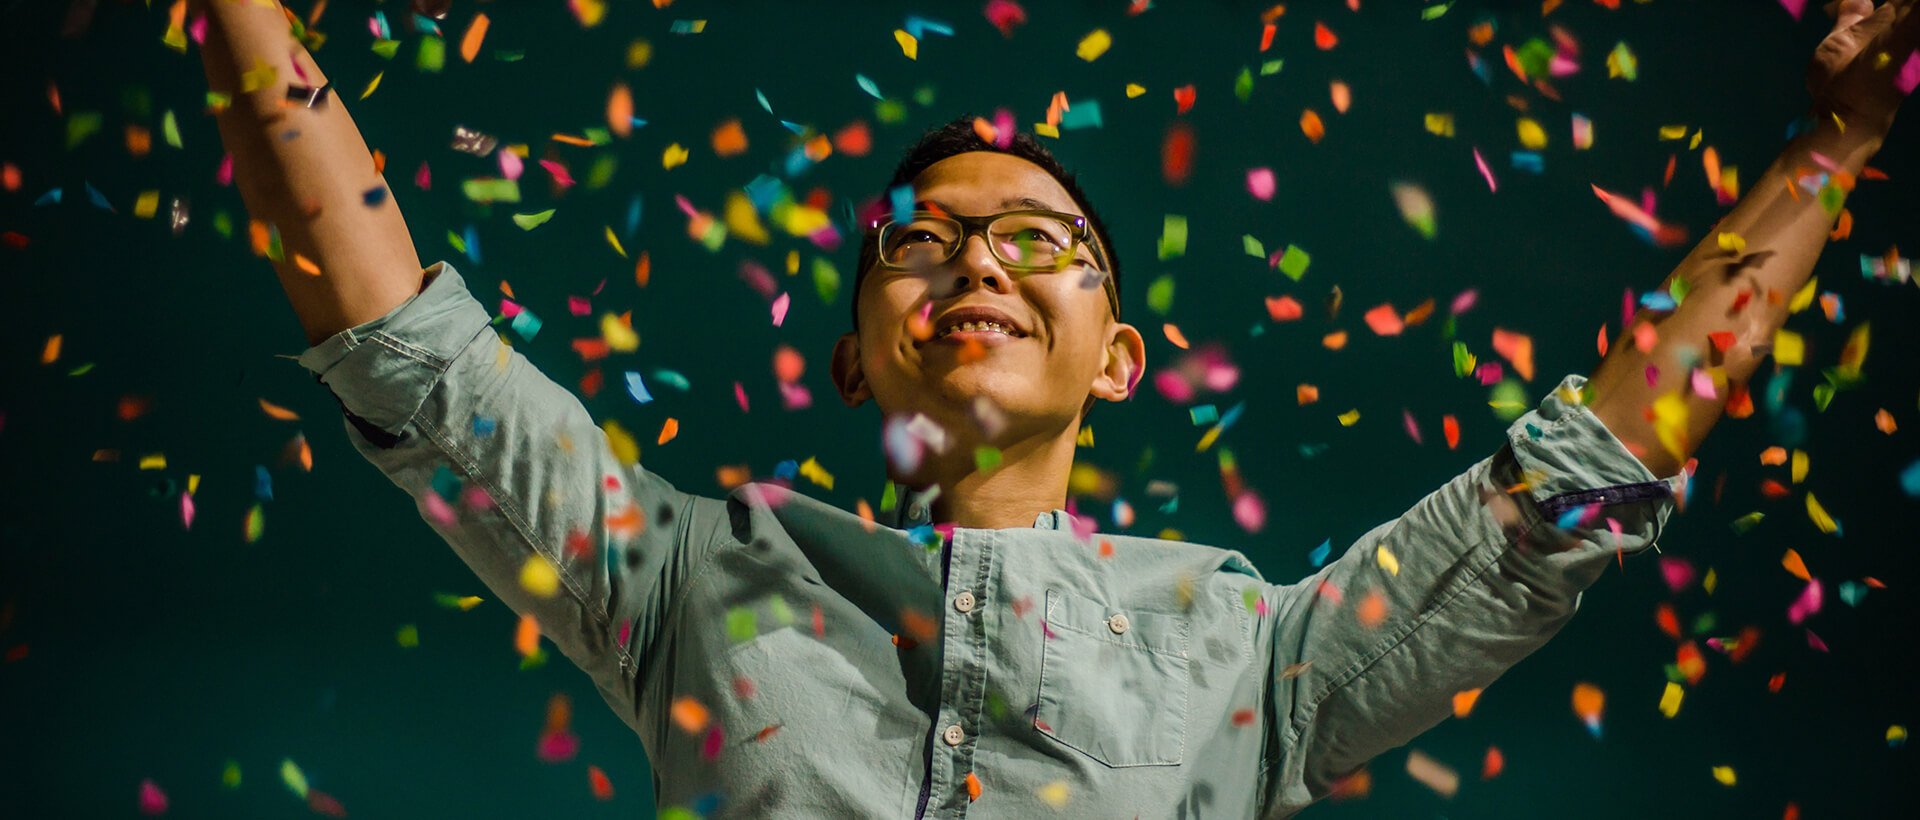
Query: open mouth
[(995, 328)]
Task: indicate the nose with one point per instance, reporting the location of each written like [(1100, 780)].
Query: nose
[(975, 265)]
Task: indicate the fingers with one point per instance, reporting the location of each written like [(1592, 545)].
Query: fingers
[(1850, 12)]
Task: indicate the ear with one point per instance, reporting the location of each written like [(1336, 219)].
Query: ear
[(1126, 362), (846, 371)]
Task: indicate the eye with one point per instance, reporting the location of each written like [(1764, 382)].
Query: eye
[(917, 235), (1036, 236)]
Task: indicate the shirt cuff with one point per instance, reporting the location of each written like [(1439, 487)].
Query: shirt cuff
[(382, 370), (1577, 471)]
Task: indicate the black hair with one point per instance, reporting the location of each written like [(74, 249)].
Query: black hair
[(959, 137)]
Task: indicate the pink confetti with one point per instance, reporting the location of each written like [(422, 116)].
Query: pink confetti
[(740, 396), (1677, 572), (559, 746), (1172, 387), (153, 801), (1703, 385), (579, 306), (1260, 183), (197, 29), (186, 510), (1653, 375), (711, 745), (559, 172), (1489, 373), (1464, 302), (1481, 163), (1413, 429), (1909, 77), (436, 508), (1004, 15), (1815, 642), (1794, 7), (224, 173), (780, 308), (795, 396), (423, 178), (1807, 605), (510, 164), (509, 308), (1249, 511)]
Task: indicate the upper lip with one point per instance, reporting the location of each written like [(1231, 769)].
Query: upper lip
[(976, 313)]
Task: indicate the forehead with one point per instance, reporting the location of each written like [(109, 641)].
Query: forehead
[(984, 182)]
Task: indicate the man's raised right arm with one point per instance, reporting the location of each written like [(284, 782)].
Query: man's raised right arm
[(554, 514)]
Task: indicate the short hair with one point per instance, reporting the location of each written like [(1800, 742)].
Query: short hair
[(959, 137)]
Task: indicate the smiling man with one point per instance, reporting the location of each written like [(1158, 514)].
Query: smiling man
[(974, 650)]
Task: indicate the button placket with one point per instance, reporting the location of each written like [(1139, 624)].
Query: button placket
[(963, 668)]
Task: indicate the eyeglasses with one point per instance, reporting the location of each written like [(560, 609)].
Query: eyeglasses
[(1027, 241)]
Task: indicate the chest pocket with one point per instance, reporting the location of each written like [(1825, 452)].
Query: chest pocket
[(1113, 682)]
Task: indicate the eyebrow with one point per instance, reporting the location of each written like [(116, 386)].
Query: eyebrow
[(1010, 202)]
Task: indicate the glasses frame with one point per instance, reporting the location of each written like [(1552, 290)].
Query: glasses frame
[(1078, 228)]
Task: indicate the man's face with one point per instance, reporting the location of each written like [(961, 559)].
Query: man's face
[(1065, 344)]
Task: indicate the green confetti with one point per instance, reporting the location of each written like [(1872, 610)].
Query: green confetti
[(1253, 247), (1294, 261), (484, 190), (528, 222), (826, 279), (408, 637), (386, 48), (433, 54), (1271, 67), (459, 244), (80, 126), (170, 129), (291, 775), (1463, 360), (1243, 84), (230, 777), (742, 624), (1509, 400), (1173, 237), (986, 458), (1160, 294), (1434, 12)]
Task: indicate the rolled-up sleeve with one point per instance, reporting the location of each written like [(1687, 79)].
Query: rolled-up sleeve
[(511, 471), (1369, 651)]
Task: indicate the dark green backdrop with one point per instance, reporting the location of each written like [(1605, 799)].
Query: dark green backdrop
[(136, 649)]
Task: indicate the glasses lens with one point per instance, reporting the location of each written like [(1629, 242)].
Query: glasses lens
[(925, 241), (1032, 240)]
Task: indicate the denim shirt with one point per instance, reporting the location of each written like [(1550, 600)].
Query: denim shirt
[(778, 656)]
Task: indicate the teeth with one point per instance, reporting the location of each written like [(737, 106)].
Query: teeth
[(976, 326)]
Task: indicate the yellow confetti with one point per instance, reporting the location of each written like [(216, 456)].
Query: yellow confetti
[(615, 242), (1788, 347), (1670, 422), (909, 45), (619, 334), (625, 447), (1800, 463), (1053, 794), (539, 576), (1725, 775), (1093, 45), (1387, 561), (1532, 136), (1439, 124), (156, 461), (1673, 132), (1135, 90), (146, 204), (1732, 243), (1670, 699), (1803, 297), (372, 85), (1350, 418), (817, 474), (1711, 581), (674, 157), (1819, 515)]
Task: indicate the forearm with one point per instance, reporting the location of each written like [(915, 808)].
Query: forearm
[(307, 172), (1744, 293)]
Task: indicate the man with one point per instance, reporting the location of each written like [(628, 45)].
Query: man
[(971, 650)]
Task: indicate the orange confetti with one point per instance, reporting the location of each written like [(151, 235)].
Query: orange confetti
[(277, 412), (1588, 701), (1323, 37), (642, 270), (1463, 702), (1342, 96), (51, 352), (1884, 421), (306, 265), (139, 140), (1174, 335), (1667, 620), (1284, 308), (1600, 341), (973, 787), (669, 430), (1843, 228), (476, 32), (1335, 340), (619, 110), (1372, 610), (729, 139), (602, 787), (689, 715), (1307, 394), (1385, 321), (1451, 427), (1311, 125), (260, 236), (1795, 565), (526, 638), (1516, 348)]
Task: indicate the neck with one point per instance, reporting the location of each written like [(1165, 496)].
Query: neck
[(1030, 479)]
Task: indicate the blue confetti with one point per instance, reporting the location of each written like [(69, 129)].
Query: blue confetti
[(866, 84), (526, 324), (638, 388), (98, 199), (483, 426), (262, 483), (633, 216), (1910, 479), (673, 379), (1227, 419), (1203, 414), (53, 198), (1658, 300), (375, 196), (1529, 161), (1318, 557), (920, 27), (902, 198), (786, 469), (472, 239)]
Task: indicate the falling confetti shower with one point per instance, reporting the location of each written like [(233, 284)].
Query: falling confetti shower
[(1360, 238)]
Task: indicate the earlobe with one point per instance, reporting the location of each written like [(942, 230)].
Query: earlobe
[(847, 376)]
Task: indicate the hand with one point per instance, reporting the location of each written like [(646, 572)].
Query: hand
[(1854, 70)]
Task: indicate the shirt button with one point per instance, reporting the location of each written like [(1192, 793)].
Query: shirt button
[(964, 602), (954, 735), (1118, 623)]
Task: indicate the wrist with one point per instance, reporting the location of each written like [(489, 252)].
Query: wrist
[(1846, 141)]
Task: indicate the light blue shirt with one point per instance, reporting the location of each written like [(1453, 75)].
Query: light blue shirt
[(781, 657)]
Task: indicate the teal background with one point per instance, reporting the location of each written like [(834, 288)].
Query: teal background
[(156, 652)]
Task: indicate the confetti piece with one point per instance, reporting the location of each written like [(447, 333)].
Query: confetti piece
[(277, 412), (1174, 335), (540, 577), (1450, 426), (476, 32), (1416, 207), (1093, 45), (1820, 518), (1725, 775), (1323, 37), (526, 636), (1588, 704), (1442, 779), (689, 715), (598, 782), (1053, 794), (1384, 320), (1311, 126), (295, 779), (1372, 610), (152, 801), (1260, 183), (1516, 348), (1463, 702)]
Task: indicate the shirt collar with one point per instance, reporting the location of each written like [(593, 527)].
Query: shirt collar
[(914, 508)]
